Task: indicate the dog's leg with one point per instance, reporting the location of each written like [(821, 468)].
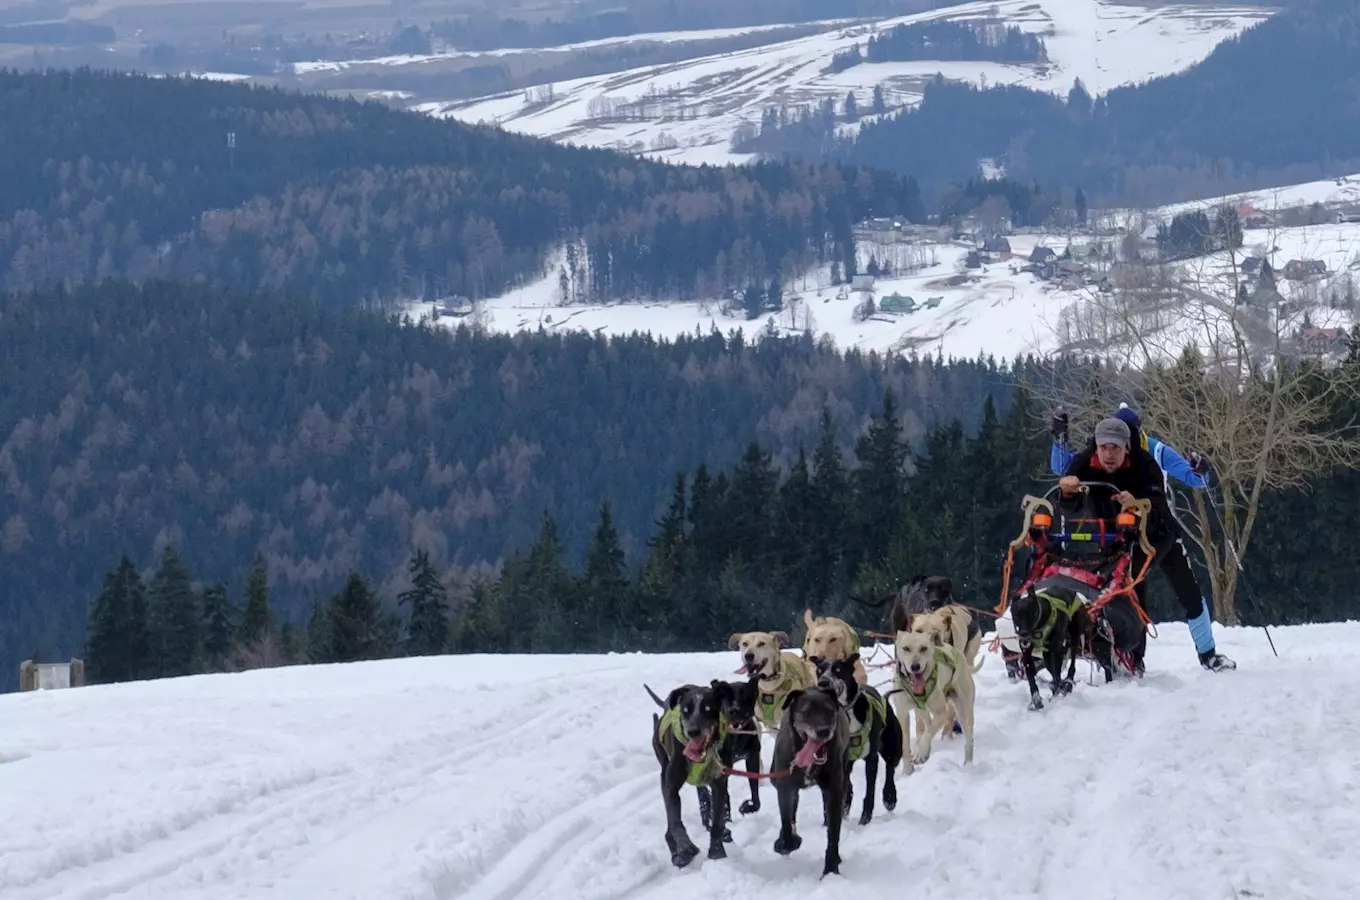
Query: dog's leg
[(866, 813), (833, 787), (719, 832), (1031, 675), (921, 752), (682, 848), (849, 790), (890, 746), (753, 766), (903, 716), (788, 840), (966, 692)]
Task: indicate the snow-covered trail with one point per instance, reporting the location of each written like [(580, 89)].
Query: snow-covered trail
[(506, 777)]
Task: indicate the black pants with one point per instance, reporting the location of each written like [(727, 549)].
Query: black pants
[(1172, 559)]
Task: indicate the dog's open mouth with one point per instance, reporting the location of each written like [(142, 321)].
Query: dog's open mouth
[(753, 668), (695, 749), (812, 754), (917, 680)]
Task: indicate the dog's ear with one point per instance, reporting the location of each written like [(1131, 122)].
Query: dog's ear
[(789, 698), (916, 580), (675, 696), (807, 618), (734, 642), (946, 585), (782, 639), (723, 693), (938, 638)]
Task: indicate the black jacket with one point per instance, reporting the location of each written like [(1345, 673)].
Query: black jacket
[(1140, 476)]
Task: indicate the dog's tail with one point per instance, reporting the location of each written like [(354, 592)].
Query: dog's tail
[(659, 702), (977, 667)]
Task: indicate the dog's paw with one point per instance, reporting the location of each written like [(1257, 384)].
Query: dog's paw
[(832, 865), (727, 835), (920, 755), (1063, 686), (890, 797), (1035, 701), (684, 855), (750, 806), (786, 845), (866, 817), (718, 851)]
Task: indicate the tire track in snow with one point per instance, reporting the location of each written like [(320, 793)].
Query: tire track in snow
[(322, 799)]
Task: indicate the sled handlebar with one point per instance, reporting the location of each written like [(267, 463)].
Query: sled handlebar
[(1085, 486)]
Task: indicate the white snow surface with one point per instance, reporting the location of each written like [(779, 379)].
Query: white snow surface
[(698, 103), (500, 777)]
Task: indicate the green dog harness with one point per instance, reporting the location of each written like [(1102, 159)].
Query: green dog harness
[(859, 738), (706, 769)]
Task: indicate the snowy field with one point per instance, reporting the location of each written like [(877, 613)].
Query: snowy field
[(698, 103), (501, 777)]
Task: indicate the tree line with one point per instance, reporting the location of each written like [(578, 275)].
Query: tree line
[(1268, 106), (141, 416), (110, 175), (945, 40), (737, 549)]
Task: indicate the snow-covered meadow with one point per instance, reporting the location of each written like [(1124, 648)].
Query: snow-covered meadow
[(500, 777), (697, 104)]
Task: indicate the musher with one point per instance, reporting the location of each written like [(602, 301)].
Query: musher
[(1113, 457)]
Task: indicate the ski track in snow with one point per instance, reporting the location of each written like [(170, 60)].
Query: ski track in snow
[(516, 777)]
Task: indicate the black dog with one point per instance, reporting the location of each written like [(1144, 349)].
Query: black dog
[(923, 594), (810, 748), (687, 741), (742, 742), (874, 732), (1118, 627), (1056, 629)]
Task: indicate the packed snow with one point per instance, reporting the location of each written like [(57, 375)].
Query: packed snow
[(687, 111), (500, 777)]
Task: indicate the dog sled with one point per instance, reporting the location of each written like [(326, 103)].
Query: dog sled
[(1076, 594)]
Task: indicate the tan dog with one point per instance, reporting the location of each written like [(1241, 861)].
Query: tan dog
[(831, 638), (951, 623), (779, 672), (929, 677)]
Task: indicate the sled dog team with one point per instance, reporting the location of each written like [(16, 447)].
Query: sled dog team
[(824, 717)]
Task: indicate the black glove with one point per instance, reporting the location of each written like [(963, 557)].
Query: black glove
[(1199, 464), (1058, 427)]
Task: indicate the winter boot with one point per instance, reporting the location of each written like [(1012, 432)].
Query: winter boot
[(1215, 661)]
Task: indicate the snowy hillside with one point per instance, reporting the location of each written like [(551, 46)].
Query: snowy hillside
[(698, 103), (492, 778)]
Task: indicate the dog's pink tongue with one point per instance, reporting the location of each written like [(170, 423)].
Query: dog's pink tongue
[(918, 682), (694, 750), (741, 670), (808, 755)]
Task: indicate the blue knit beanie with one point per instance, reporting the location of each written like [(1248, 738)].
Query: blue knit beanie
[(1130, 417)]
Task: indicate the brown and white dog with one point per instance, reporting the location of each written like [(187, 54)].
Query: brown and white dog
[(955, 626), (831, 638), (778, 671)]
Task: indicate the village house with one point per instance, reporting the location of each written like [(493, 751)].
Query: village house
[(1303, 269), (1316, 341)]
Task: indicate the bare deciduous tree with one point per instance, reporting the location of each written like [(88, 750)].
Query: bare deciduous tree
[(1242, 369)]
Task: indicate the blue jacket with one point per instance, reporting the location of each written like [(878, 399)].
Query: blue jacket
[(1172, 464)]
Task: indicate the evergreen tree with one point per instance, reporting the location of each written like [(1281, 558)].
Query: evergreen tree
[(257, 620), (318, 634), (604, 589), (172, 619), (1081, 206), (116, 646), (830, 500), (219, 625), (880, 483), (795, 534), (428, 631), (555, 614), (880, 105), (357, 627), (290, 647)]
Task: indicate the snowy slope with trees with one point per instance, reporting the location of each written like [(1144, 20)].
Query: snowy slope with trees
[(500, 777)]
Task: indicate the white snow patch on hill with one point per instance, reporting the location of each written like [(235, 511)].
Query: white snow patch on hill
[(501, 777), (697, 104)]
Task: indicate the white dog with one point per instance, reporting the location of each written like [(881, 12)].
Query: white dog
[(930, 677)]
